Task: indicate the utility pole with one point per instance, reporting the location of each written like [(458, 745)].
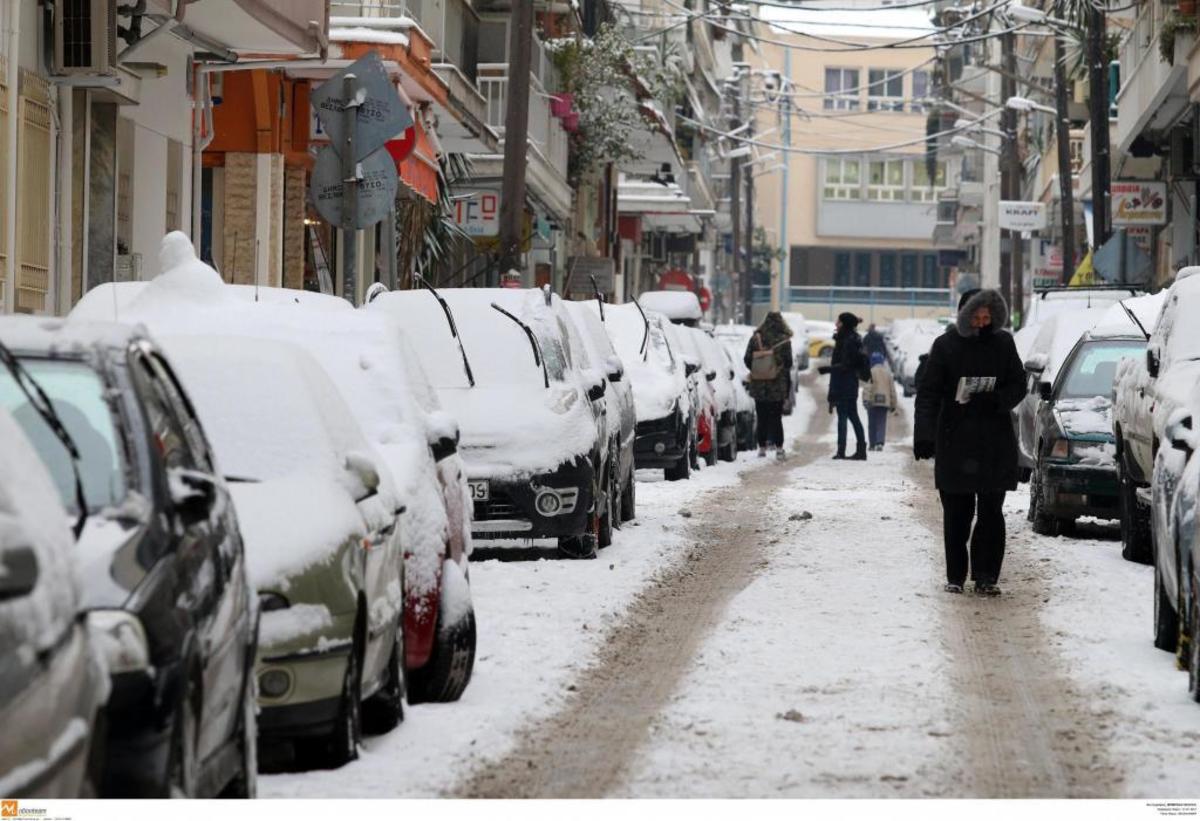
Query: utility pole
[(349, 192), (1097, 61), (781, 299), (516, 136), (1010, 161), (1066, 183), (748, 233)]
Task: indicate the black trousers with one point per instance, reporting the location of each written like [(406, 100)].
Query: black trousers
[(987, 539), (847, 411), (770, 423)]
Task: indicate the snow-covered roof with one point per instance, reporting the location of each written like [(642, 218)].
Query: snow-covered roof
[(363, 34)]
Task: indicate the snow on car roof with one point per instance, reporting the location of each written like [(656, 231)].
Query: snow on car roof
[(1057, 335), (675, 305), (50, 335), (656, 380), (1116, 323)]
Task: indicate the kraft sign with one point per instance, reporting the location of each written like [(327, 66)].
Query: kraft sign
[(1022, 216)]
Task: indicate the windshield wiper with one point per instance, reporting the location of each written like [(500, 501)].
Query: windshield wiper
[(1133, 316), (644, 351), (599, 296), (453, 326), (41, 403), (538, 359)]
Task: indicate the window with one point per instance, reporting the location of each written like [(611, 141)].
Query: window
[(885, 90), (1094, 366), (862, 270), (166, 430), (887, 270), (841, 88), (920, 90), (841, 269), (922, 191), (886, 180), (908, 271), (929, 271), (843, 179)]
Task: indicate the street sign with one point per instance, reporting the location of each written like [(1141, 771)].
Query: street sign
[(380, 115), (478, 213), (582, 269), (376, 188), (1139, 203), (401, 147), (1022, 216)]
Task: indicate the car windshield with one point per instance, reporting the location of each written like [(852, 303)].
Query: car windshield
[(1094, 366), (77, 393)]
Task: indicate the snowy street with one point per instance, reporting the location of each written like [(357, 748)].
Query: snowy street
[(779, 630)]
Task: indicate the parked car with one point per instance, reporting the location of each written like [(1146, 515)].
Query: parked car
[(800, 342), (1049, 302), (55, 684), (716, 362), (160, 559), (662, 396), (680, 307), (907, 340), (501, 364), (1145, 400), (370, 360), (747, 414), (820, 338), (1075, 472), (702, 396), (620, 414)]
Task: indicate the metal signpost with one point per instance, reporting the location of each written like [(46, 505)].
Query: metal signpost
[(354, 179)]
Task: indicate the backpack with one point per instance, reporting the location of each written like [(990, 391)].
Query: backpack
[(763, 366)]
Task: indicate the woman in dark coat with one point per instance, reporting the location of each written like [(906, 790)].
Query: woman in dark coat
[(846, 365), (769, 394), (967, 428)]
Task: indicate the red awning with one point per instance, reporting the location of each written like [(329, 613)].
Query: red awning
[(419, 170)]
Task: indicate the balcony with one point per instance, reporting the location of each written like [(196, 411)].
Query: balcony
[(284, 27), (1153, 94)]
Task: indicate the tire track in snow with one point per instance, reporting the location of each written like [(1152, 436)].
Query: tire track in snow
[(1028, 733), (583, 750)]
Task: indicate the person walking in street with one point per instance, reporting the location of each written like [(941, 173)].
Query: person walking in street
[(968, 388), (873, 342), (879, 398), (846, 366), (769, 358)]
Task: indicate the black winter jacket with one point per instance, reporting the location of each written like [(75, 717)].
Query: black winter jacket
[(976, 446), (844, 365)]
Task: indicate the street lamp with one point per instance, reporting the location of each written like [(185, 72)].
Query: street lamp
[(1028, 14), (1026, 104)]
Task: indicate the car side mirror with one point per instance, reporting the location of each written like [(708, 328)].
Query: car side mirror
[(615, 369), (596, 392), (18, 572), (1179, 431), (1152, 362), (1036, 363), (444, 435), (1046, 391), (690, 368), (710, 376), (732, 374), (194, 495), (362, 468)]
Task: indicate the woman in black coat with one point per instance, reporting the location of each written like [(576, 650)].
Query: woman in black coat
[(846, 365), (966, 426)]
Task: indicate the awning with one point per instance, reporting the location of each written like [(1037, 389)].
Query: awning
[(418, 172), (257, 26)]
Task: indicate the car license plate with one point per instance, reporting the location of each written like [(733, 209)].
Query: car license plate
[(480, 492)]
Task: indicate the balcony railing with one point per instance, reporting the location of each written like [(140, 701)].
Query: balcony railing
[(545, 131), (835, 295), (452, 25)]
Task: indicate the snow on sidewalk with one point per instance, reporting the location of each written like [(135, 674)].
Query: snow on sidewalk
[(539, 623), (827, 677)]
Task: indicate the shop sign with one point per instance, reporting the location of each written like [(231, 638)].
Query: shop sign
[(478, 213), (1139, 203), (1022, 216)]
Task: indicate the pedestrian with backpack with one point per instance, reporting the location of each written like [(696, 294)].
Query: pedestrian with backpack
[(769, 358), (879, 398), (846, 367)]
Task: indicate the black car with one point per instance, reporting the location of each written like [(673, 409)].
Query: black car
[(160, 558)]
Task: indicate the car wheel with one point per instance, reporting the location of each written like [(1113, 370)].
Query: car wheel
[(181, 768), (347, 732), (604, 535), (728, 453), (1166, 620), (682, 469), (245, 783), (448, 672), (710, 458), (383, 711), (1135, 525), (1042, 522), (629, 498)]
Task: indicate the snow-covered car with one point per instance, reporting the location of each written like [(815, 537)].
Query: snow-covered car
[(1050, 302), (1145, 397), (620, 415), (368, 357), (720, 376), (501, 363), (1055, 339), (1074, 471), (160, 559), (820, 338), (800, 342), (703, 397), (907, 341), (680, 307), (55, 683), (747, 413), (662, 398)]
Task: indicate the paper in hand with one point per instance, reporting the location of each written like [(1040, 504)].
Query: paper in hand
[(968, 386)]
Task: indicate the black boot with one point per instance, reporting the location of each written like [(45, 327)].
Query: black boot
[(841, 454), (860, 453)]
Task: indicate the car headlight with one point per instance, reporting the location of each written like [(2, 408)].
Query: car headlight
[(121, 638), (1061, 449)]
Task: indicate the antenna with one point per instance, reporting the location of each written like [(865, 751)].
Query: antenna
[(257, 272)]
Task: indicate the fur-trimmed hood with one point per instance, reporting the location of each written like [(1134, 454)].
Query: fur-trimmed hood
[(988, 297)]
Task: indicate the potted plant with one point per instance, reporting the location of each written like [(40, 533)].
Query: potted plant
[(560, 104), (1175, 23)]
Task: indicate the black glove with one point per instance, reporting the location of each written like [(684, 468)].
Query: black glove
[(924, 450), (831, 407), (824, 369)]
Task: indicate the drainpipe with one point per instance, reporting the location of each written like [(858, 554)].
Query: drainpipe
[(10, 215)]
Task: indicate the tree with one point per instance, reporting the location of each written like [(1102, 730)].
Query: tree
[(763, 257)]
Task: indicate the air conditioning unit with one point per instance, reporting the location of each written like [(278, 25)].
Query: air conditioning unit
[(85, 37)]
